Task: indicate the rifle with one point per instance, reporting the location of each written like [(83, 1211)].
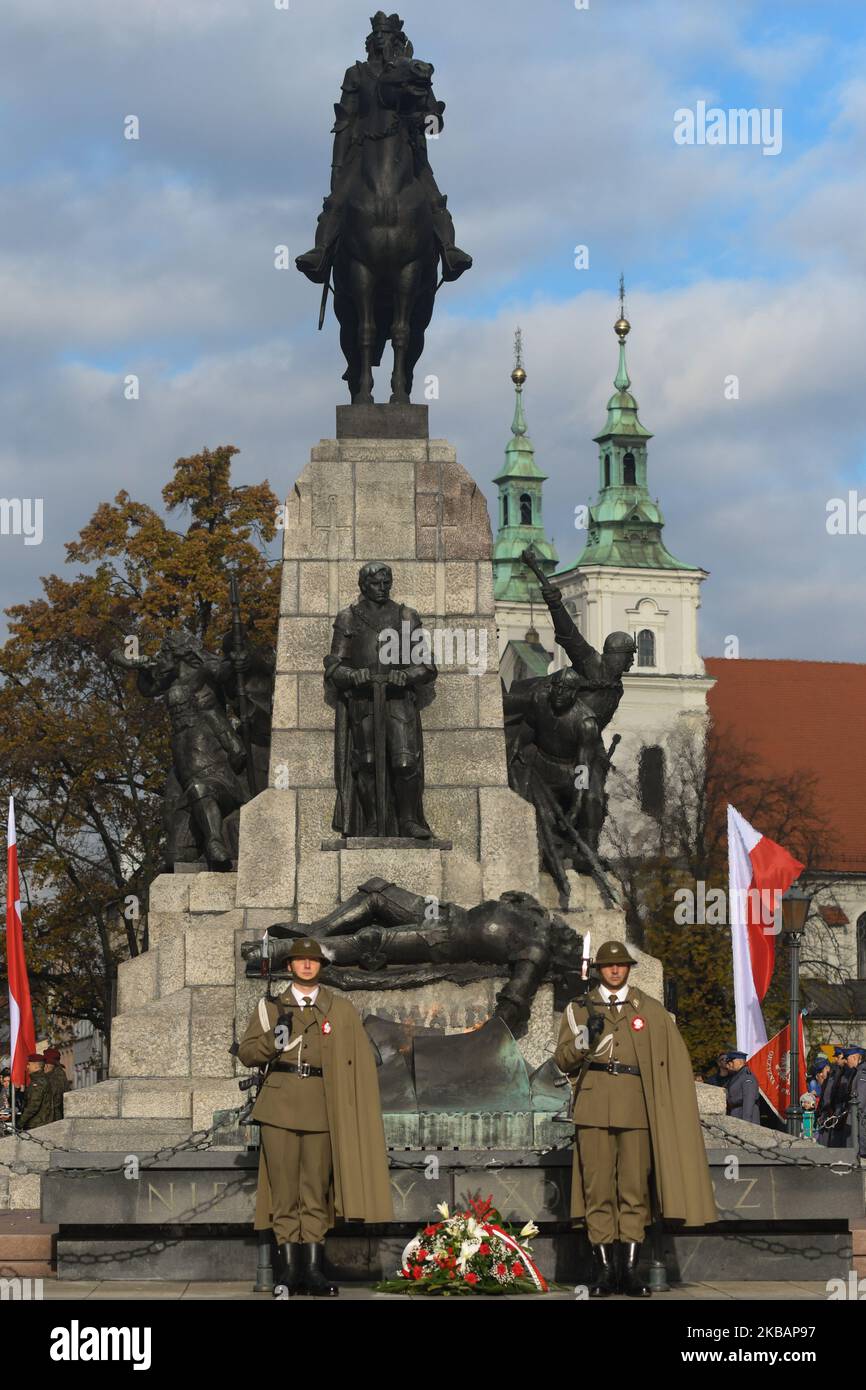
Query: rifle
[(257, 1080), (243, 705)]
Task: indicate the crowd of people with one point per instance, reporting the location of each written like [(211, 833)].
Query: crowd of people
[(831, 1087), (41, 1101), (834, 1085)]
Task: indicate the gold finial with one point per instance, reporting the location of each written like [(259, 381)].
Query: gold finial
[(518, 376), (622, 327)]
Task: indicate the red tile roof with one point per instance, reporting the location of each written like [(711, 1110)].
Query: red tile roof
[(808, 715)]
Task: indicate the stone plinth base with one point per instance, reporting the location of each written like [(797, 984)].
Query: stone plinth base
[(779, 1220)]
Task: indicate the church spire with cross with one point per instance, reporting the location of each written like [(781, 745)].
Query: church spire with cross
[(519, 505), (625, 522)]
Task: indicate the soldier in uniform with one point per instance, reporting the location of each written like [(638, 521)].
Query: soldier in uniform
[(57, 1080), (742, 1089), (39, 1105), (322, 1138), (635, 1110)]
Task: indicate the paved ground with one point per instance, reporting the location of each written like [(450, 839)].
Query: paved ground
[(95, 1289)]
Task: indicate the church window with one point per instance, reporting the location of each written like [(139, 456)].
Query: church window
[(525, 509), (628, 470), (651, 780), (646, 648), (505, 509), (607, 470)]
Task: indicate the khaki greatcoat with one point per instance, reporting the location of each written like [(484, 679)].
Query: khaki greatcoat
[(361, 1186), (679, 1160)]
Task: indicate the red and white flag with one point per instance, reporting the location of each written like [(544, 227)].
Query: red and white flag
[(771, 1068), (23, 1033), (759, 872)]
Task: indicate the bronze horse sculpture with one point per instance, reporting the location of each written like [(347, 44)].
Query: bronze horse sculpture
[(385, 225)]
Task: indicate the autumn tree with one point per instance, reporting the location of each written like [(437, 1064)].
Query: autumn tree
[(84, 755)]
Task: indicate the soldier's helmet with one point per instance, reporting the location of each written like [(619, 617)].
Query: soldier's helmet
[(614, 953), (306, 948)]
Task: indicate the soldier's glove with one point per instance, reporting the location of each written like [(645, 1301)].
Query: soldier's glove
[(595, 1028), (284, 1023)]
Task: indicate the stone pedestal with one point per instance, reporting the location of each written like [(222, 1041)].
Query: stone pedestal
[(380, 490)]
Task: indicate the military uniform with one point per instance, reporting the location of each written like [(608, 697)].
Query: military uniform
[(58, 1081), (635, 1108), (39, 1104), (293, 1115), (611, 1121), (322, 1138)]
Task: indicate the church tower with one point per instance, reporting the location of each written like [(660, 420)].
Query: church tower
[(626, 579), (524, 626)]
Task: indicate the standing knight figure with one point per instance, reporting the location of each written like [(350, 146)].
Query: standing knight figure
[(379, 661)]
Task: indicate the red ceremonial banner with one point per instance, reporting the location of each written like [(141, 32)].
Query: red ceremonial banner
[(770, 1066)]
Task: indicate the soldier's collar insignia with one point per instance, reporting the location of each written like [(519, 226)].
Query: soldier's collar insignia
[(638, 1023)]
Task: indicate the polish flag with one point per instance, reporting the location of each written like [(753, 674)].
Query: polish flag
[(23, 1033), (759, 872)]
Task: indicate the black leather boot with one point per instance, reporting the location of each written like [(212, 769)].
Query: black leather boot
[(632, 1284), (604, 1279), (291, 1269), (316, 1283)]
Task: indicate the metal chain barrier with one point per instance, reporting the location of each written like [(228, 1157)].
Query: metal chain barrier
[(198, 1140), (777, 1151)]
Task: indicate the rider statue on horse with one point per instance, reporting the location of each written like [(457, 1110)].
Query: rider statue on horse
[(385, 225)]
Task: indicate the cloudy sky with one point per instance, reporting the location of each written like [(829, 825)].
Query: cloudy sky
[(156, 257)]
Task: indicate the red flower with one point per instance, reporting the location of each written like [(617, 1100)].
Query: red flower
[(484, 1249), (404, 1274), (451, 1274), (417, 1272), (422, 1254), (471, 1278), (501, 1270), (430, 1230), (517, 1269)]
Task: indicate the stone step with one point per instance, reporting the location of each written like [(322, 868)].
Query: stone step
[(185, 1034), (159, 1099), (26, 1245)]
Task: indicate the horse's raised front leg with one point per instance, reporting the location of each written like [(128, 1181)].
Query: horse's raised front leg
[(404, 298), (361, 283)]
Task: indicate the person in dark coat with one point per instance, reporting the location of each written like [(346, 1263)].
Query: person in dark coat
[(57, 1079), (39, 1104), (858, 1092), (742, 1089), (832, 1110)]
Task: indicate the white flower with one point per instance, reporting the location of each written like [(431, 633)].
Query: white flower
[(529, 1231), (442, 1209)]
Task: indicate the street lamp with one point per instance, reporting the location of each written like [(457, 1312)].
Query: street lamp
[(795, 909)]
